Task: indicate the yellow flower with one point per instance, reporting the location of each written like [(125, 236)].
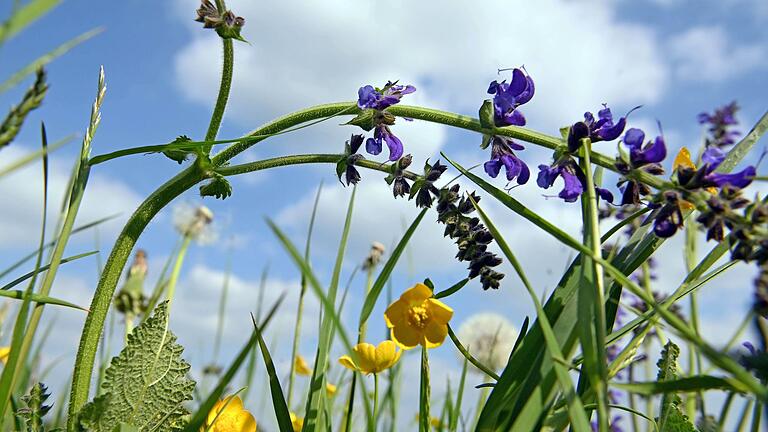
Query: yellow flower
[(4, 353), (372, 359), (418, 319), (232, 417), (301, 367), (683, 159), (330, 389), (297, 422)]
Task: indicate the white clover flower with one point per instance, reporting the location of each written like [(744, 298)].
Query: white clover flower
[(195, 222), (489, 337)]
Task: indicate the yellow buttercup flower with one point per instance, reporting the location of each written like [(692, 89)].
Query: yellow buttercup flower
[(301, 367), (4, 353), (297, 422), (372, 359), (418, 319), (330, 389), (228, 415)]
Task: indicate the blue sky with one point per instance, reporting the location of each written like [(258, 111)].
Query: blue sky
[(674, 57)]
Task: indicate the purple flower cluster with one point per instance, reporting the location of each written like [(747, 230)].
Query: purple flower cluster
[(644, 157), (507, 97), (719, 125), (378, 100), (602, 129)]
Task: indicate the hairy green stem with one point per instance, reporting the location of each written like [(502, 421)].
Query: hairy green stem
[(226, 84)]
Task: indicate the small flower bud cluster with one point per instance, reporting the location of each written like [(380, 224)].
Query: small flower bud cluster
[(470, 235)]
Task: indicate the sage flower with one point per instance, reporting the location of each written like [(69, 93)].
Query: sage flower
[(377, 100), (572, 175), (509, 96), (503, 155), (719, 123), (602, 129)]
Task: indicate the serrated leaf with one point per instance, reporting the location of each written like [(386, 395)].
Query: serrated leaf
[(672, 418), (218, 187), (146, 384)]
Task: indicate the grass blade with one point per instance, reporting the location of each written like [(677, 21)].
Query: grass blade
[(24, 16), (278, 400), (28, 275)]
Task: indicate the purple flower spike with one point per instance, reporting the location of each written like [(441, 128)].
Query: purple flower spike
[(605, 129), (719, 125), (370, 98), (602, 129), (712, 157), (634, 138), (653, 152)]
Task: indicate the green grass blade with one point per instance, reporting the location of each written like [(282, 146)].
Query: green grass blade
[(31, 157), (424, 393), (740, 150), (453, 289), (282, 413), (40, 299), (197, 421), (453, 422), (16, 361), (28, 275), (316, 399), (467, 356), (685, 384), (579, 420), (24, 16), (47, 58), (386, 271)]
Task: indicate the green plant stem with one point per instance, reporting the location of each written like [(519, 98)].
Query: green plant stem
[(226, 84), (375, 400), (600, 381), (174, 278)]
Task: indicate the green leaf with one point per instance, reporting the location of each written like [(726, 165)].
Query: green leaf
[(453, 289), (672, 418), (146, 384), (217, 187), (685, 384), (177, 154), (740, 150), (278, 400)]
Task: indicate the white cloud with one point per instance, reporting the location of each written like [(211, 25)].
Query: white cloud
[(22, 189), (707, 53)]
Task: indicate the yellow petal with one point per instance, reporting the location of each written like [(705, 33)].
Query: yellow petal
[(683, 159), (385, 352), (297, 422), (417, 294), (330, 389), (406, 337), (434, 334), (247, 422), (301, 367), (439, 311), (4, 353), (366, 357), (396, 314), (214, 412), (347, 362)]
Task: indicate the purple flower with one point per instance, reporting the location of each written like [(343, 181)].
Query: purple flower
[(602, 129), (653, 152), (369, 97), (719, 131), (382, 133), (502, 155), (573, 178), (508, 96), (738, 180), (378, 100), (669, 217)]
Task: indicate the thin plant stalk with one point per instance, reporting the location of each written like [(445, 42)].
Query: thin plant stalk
[(375, 400), (174, 278)]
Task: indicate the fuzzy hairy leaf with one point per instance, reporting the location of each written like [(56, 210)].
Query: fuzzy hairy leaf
[(672, 418), (146, 384)]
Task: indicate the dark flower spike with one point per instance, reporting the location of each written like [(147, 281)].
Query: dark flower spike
[(400, 186), (423, 188), (572, 175), (508, 96), (227, 24), (670, 217)]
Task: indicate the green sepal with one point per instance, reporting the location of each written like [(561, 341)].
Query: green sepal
[(218, 187), (486, 141), (428, 282), (486, 114), (364, 120), (233, 32), (564, 131), (341, 168), (417, 185), (623, 155), (178, 155)]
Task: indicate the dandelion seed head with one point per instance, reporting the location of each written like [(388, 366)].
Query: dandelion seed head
[(489, 337), (195, 221)]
